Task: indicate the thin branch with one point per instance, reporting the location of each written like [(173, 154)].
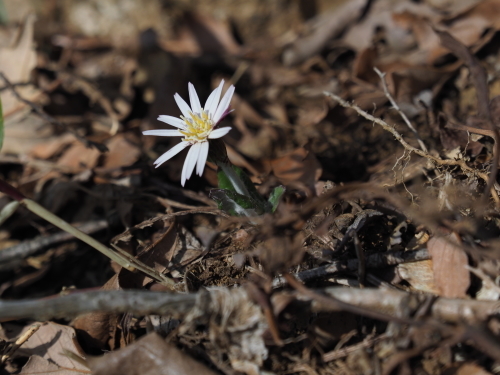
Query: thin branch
[(397, 108), (451, 162), (344, 352), (378, 260), (135, 302), (385, 303), (20, 341), (12, 256)]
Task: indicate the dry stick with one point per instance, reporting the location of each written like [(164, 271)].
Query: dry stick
[(135, 302), (378, 260), (361, 261), (397, 108), (12, 256), (20, 341), (99, 146), (399, 357), (387, 304), (344, 352), (459, 163)]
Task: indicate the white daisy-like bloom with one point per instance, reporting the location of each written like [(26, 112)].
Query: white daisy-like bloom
[(197, 125)]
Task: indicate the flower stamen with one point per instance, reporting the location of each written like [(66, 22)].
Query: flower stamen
[(198, 127)]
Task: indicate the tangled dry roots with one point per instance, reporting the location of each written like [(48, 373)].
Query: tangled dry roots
[(235, 325)]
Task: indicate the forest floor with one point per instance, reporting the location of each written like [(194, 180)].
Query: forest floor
[(380, 118)]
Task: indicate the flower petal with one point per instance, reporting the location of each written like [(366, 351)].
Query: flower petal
[(174, 121), (213, 100), (226, 112), (217, 133), (171, 153), (164, 132), (224, 104), (202, 158), (183, 106), (193, 98), (190, 162)]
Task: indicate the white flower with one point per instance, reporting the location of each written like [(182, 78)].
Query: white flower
[(197, 125)]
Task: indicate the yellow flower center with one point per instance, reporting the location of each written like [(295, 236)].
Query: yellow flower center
[(198, 127)]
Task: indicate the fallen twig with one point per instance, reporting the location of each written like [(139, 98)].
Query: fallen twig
[(344, 352), (396, 107), (372, 261), (20, 341), (12, 256), (387, 303), (451, 162), (134, 302)]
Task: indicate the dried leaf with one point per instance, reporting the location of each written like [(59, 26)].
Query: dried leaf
[(39, 365), (49, 149), (299, 165), (17, 62), (78, 157), (324, 27), (150, 355), (157, 255), (419, 275), (95, 329), (123, 151), (49, 344), (449, 266), (466, 369)]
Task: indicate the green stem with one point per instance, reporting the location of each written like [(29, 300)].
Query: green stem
[(123, 259)]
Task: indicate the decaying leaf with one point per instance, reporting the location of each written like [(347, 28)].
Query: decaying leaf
[(150, 355), (419, 275), (39, 365), (47, 347), (298, 166), (17, 62), (79, 157), (96, 329), (449, 263), (123, 151)]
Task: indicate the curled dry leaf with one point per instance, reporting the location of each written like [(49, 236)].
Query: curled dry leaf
[(95, 329)]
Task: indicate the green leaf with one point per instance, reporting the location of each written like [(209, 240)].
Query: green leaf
[(225, 182), (260, 203), (275, 197), (1, 125), (4, 17), (235, 204)]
